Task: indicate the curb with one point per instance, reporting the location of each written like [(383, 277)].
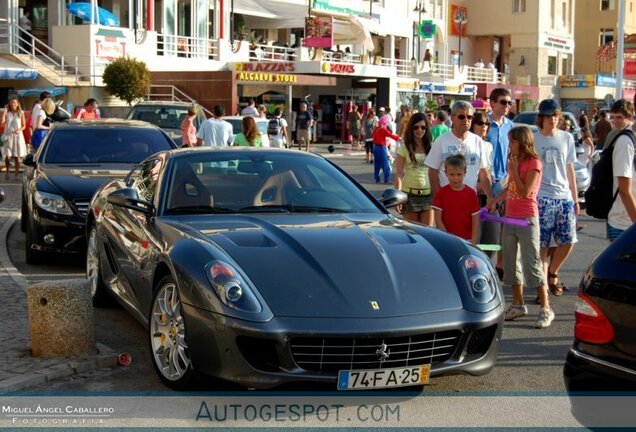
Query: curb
[(105, 357)]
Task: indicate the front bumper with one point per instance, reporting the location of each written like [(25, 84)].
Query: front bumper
[(68, 231), (260, 355)]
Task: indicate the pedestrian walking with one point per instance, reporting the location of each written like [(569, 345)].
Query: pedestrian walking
[(188, 129), (601, 129), (277, 130), (381, 148), (13, 144), (522, 258), (39, 121), (439, 126), (623, 212), (411, 173), (304, 123), (250, 135), (250, 109), (215, 131), (558, 196), (370, 123)]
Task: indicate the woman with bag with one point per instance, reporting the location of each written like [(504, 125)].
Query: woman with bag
[(13, 144)]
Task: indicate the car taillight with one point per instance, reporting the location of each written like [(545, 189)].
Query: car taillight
[(591, 325)]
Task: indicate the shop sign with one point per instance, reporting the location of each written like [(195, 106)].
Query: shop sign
[(346, 7), (265, 67), (427, 29), (557, 43), (267, 77), (338, 68), (408, 85), (110, 44), (446, 88), (576, 81), (605, 81), (630, 67)]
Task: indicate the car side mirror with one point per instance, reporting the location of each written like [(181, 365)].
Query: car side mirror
[(393, 197), (129, 199), (29, 161)]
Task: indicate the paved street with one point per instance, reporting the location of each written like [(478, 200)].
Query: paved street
[(530, 360)]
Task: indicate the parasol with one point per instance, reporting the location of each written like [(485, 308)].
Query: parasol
[(100, 16)]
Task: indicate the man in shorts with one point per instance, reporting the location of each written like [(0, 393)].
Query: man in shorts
[(304, 123), (558, 196)]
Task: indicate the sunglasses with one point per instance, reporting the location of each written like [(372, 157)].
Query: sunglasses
[(482, 123), (506, 102), (419, 128), (464, 117)]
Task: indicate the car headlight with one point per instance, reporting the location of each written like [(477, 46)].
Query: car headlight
[(52, 203), (482, 283), (231, 288)]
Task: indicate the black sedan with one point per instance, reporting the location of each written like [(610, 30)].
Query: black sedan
[(603, 356), (267, 266), (75, 159)]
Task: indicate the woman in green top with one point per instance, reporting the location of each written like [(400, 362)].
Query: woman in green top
[(250, 135), (411, 175)]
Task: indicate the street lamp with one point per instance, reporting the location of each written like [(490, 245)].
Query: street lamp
[(419, 8), (460, 18)]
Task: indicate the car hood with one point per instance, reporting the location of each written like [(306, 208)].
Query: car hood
[(81, 181), (337, 265)]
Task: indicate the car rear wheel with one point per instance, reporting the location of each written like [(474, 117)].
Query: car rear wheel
[(168, 345), (32, 256), (99, 291)]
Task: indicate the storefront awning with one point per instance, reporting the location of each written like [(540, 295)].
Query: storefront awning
[(352, 31), (10, 70), (253, 8), (35, 92)]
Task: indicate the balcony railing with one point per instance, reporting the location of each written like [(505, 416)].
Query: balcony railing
[(474, 74), (261, 52), (187, 47)]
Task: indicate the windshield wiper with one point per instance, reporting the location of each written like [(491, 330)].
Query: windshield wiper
[(201, 209), (290, 208)]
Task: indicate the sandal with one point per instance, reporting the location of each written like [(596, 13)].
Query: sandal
[(556, 288)]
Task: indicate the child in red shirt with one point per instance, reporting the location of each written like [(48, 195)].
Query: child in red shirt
[(456, 205)]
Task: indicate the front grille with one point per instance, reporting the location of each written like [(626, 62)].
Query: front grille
[(82, 206), (334, 354)]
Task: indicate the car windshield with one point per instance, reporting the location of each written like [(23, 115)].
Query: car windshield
[(260, 182), (528, 118), (103, 145), (166, 117)]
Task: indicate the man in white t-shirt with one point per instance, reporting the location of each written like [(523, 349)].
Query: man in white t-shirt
[(459, 140), (250, 109), (215, 131), (281, 138), (623, 212)]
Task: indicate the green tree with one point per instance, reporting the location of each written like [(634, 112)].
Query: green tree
[(127, 78)]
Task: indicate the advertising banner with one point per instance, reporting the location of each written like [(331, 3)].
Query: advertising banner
[(318, 32), (457, 19)]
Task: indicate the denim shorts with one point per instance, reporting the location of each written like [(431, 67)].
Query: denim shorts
[(557, 220), (417, 203), (613, 233)]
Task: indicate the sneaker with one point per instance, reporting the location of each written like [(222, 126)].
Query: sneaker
[(545, 318), (515, 311)]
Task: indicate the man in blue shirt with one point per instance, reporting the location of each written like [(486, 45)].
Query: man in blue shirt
[(501, 102)]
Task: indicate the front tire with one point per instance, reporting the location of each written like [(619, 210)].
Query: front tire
[(167, 336), (99, 292)]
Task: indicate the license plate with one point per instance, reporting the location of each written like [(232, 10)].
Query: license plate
[(383, 378)]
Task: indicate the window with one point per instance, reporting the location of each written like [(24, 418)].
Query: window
[(608, 5), (552, 65), (564, 67), (607, 35), (518, 6), (564, 15)]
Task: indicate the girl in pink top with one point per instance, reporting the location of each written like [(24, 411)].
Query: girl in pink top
[(188, 130), (524, 178)]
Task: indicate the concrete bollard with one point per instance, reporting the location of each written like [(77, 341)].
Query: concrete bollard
[(61, 318)]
